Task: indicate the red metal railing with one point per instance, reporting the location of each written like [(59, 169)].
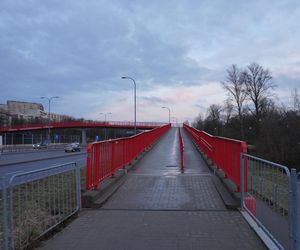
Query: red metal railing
[(223, 152), (181, 151), (106, 157), (84, 124)]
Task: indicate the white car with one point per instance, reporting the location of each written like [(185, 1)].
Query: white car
[(73, 147)]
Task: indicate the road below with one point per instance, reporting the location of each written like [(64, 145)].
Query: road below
[(37, 160)]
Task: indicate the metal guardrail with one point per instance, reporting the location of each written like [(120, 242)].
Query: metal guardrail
[(15, 128), (28, 148), (152, 124), (32, 203), (106, 157), (272, 199), (223, 152), (181, 145)]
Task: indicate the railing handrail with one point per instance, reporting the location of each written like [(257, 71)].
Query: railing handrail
[(223, 152), (210, 147), (78, 124), (58, 169), (106, 157), (286, 169)]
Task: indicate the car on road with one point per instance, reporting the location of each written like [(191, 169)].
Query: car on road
[(39, 145), (73, 147)]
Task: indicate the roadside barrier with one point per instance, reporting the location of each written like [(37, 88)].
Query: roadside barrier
[(34, 202), (106, 157), (223, 152), (6, 149), (181, 151), (272, 200)]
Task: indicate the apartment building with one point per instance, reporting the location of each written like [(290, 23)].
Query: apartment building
[(27, 110)]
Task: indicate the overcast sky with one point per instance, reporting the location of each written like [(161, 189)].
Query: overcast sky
[(177, 51)]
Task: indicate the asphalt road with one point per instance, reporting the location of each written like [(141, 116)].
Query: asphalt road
[(13, 162)]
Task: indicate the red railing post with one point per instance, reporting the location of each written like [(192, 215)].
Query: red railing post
[(88, 182), (113, 160), (181, 145)]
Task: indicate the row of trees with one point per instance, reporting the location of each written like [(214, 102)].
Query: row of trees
[(250, 113)]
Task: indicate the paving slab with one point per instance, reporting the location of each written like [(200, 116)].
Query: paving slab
[(181, 192), (159, 230)]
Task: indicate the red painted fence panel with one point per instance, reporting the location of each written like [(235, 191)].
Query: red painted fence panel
[(106, 157), (223, 152)]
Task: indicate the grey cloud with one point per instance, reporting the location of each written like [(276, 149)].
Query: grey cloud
[(72, 48), (86, 47), (152, 100)]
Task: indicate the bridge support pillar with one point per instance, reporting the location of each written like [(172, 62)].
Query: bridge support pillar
[(83, 137)]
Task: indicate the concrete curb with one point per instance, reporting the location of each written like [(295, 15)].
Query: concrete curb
[(97, 197)]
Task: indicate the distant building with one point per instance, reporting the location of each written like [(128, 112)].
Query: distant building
[(59, 118), (26, 111), (5, 118)]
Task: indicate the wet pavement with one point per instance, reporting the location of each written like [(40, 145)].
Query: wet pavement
[(158, 207)]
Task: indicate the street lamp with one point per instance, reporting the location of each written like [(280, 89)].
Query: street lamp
[(49, 104), (127, 77), (105, 114), (169, 113)]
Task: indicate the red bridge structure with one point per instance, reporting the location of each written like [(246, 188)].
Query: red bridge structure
[(82, 126), (91, 124)]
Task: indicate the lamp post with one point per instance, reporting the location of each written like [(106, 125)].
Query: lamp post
[(49, 104), (169, 113), (127, 77), (105, 115)]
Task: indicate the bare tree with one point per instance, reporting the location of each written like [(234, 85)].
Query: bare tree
[(296, 100), (213, 121), (235, 86), (258, 86), (214, 112), (198, 122), (227, 111)]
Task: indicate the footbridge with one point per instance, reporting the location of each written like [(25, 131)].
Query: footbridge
[(87, 124), (166, 188), (26, 131)]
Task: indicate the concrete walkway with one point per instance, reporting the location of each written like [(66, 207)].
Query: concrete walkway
[(160, 208)]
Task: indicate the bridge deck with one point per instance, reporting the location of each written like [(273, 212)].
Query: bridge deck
[(160, 208)]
